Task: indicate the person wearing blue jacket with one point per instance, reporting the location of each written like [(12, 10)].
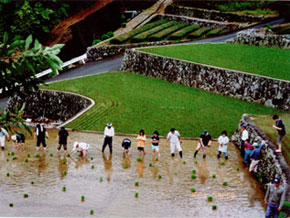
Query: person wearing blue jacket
[(255, 157)]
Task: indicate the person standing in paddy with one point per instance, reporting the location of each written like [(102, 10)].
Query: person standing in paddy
[(109, 133), (40, 134), (244, 137), (141, 139), (280, 127), (63, 138), (223, 141), (155, 144), (174, 137), (3, 134), (204, 140)]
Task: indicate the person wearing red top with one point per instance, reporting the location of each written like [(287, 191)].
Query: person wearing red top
[(248, 150)]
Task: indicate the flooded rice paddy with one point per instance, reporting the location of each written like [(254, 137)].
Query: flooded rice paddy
[(108, 182)]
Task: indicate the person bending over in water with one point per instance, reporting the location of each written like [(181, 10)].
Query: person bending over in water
[(18, 140), (82, 147), (126, 145)]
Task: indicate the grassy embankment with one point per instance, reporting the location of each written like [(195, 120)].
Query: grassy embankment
[(271, 62), (133, 102)]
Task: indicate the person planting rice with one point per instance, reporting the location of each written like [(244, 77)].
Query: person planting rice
[(155, 144), (280, 127), (62, 139), (40, 134), (108, 137), (175, 139), (141, 139), (204, 140), (18, 140), (126, 145), (81, 147), (223, 141), (3, 134)]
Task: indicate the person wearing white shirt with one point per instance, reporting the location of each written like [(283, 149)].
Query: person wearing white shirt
[(3, 134), (174, 137), (82, 147), (108, 137), (223, 141), (244, 137)]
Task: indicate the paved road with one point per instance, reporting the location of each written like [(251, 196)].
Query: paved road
[(114, 63)]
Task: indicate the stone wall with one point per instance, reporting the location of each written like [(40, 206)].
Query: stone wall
[(271, 164), (52, 105), (262, 39), (199, 21), (249, 87), (97, 53), (211, 14)]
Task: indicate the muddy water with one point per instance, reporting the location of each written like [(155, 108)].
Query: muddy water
[(115, 195)]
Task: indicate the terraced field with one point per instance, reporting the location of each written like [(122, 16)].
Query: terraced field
[(167, 30)]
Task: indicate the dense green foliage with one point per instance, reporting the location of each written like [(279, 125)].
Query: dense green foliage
[(25, 17), (133, 102), (127, 36), (20, 60), (272, 62), (183, 32), (162, 34), (144, 35), (198, 33)]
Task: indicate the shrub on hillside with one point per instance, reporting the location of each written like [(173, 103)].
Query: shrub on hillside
[(183, 32), (162, 34), (143, 36), (96, 41), (107, 35), (198, 33), (126, 36), (214, 32), (124, 24)]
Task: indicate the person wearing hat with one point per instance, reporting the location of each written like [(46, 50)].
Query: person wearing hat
[(274, 198), (126, 145), (175, 139), (18, 140), (204, 140), (108, 137), (244, 137), (3, 134), (82, 147), (280, 127), (255, 157)]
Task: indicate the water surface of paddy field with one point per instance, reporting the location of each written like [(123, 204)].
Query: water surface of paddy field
[(115, 195)]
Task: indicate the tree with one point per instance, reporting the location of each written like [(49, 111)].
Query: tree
[(20, 60), (12, 122)]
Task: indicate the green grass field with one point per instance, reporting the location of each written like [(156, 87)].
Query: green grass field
[(266, 122), (272, 62), (132, 102)]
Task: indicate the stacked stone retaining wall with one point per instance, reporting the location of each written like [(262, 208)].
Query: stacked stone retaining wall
[(250, 87)]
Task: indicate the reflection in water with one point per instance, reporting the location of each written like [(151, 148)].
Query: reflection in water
[(203, 172), (108, 166), (126, 162), (62, 165), (172, 194), (140, 167)]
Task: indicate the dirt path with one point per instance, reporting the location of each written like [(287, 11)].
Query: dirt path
[(61, 32)]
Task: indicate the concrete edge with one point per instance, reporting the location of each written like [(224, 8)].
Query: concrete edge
[(205, 65)]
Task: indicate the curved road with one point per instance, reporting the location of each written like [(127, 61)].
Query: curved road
[(114, 63)]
